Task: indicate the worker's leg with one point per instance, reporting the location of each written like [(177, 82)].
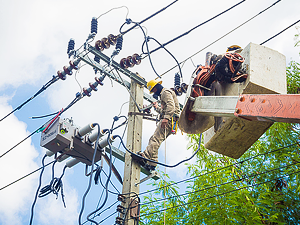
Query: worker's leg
[(155, 141)]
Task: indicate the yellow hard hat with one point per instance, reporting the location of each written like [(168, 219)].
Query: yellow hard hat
[(233, 47), (151, 84)]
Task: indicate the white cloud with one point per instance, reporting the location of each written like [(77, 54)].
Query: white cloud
[(33, 42), (13, 165)]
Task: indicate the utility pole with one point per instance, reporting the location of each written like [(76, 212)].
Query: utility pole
[(132, 169)]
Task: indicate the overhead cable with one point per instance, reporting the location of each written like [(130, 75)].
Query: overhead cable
[(279, 33), (186, 33), (48, 84), (26, 175), (222, 37), (219, 185), (76, 99), (37, 191), (109, 175), (213, 171), (159, 163), (91, 174), (224, 193)]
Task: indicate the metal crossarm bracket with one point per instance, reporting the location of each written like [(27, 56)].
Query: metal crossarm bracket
[(152, 174)]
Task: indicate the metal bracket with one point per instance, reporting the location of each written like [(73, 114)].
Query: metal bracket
[(151, 175)]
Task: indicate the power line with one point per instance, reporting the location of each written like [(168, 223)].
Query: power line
[(213, 171), (186, 33), (26, 175), (159, 163), (280, 32), (91, 174), (222, 37), (37, 191), (48, 84), (224, 193), (77, 98), (219, 185), (37, 130)]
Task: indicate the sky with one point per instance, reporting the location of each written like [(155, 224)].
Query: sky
[(33, 43)]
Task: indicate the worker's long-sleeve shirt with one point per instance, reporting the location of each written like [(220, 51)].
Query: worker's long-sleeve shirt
[(169, 104)]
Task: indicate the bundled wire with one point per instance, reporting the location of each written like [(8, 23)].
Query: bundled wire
[(91, 174), (48, 84), (109, 175), (55, 186)]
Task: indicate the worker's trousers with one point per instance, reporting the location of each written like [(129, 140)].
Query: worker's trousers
[(155, 141)]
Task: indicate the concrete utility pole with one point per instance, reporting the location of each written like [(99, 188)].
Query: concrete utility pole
[(132, 169)]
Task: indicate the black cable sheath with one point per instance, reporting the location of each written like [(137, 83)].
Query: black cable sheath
[(65, 109), (26, 175), (224, 193), (279, 33), (91, 175), (174, 39), (222, 36), (245, 160), (37, 191), (219, 185), (107, 182), (159, 163)]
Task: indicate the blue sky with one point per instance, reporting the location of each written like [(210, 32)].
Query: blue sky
[(34, 37)]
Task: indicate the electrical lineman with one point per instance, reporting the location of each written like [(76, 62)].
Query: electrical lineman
[(169, 113)]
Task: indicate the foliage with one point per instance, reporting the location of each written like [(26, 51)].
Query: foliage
[(293, 78), (153, 210)]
